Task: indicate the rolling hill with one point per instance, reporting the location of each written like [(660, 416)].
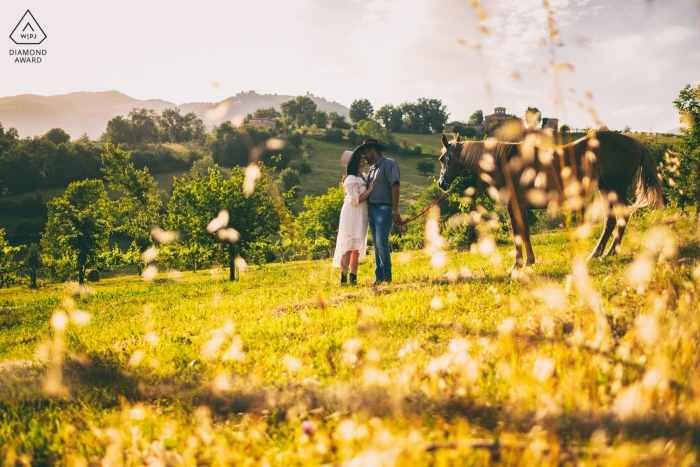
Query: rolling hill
[(88, 112)]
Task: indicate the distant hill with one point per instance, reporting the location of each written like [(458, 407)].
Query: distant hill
[(88, 112)]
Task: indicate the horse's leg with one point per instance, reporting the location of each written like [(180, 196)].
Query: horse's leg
[(610, 221), (529, 254), (622, 214), (517, 238)]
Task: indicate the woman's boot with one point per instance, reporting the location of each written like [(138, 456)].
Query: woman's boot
[(353, 279), (343, 278)]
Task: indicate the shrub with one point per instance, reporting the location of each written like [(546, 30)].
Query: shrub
[(425, 167), (335, 135)]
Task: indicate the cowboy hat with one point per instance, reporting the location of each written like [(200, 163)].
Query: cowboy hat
[(345, 158), (369, 143)]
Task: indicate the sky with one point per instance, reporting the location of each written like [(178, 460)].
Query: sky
[(617, 63)]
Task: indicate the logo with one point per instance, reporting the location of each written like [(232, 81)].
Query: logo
[(28, 31)]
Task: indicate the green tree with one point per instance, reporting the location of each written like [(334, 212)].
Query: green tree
[(321, 118), (136, 211), (370, 128), (141, 126), (301, 110), (57, 136), (197, 200), (361, 109), (270, 113), (687, 178), (412, 113), (433, 115), (338, 121), (78, 228), (8, 266), (288, 179), (317, 225), (144, 125), (32, 263), (390, 117), (477, 118), (177, 128)]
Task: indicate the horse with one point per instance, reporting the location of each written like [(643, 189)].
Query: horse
[(525, 176)]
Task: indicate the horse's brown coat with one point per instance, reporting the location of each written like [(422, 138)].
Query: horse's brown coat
[(527, 176)]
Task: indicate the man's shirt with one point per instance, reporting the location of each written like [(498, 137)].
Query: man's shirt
[(386, 171)]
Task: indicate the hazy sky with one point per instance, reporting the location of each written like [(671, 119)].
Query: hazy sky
[(630, 58)]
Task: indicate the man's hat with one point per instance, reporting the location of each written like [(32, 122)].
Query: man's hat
[(370, 143), (345, 158)]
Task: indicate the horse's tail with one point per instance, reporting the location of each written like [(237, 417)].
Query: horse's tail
[(649, 189)]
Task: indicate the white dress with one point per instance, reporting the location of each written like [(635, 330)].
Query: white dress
[(352, 230)]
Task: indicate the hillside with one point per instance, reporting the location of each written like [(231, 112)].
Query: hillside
[(88, 112)]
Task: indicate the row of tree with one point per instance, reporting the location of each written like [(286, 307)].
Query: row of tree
[(145, 126)]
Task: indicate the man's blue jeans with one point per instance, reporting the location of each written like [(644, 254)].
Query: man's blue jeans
[(379, 225)]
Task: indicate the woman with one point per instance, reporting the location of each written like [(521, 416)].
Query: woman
[(351, 245)]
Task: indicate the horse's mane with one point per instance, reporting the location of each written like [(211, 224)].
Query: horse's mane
[(472, 152)]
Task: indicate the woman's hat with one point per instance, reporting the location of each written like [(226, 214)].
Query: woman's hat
[(345, 158), (370, 143)]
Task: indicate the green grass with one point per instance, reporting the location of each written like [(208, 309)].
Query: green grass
[(556, 362)]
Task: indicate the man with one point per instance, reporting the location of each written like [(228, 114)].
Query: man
[(383, 204)]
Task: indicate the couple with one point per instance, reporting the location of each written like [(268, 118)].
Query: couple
[(373, 199)]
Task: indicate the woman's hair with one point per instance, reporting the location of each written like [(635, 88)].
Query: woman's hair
[(353, 167)]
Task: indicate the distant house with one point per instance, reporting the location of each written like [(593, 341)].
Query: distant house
[(262, 122), (498, 116)]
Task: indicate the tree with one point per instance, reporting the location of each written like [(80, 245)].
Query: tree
[(289, 178), (370, 128), (477, 118), (141, 126), (32, 263), (390, 117), (270, 113), (78, 228), (426, 167), (361, 109), (413, 115), (197, 200), (8, 266), (318, 224), (57, 136), (136, 212), (433, 114), (321, 118), (177, 128), (144, 125), (688, 176), (338, 121), (301, 110), (533, 117)]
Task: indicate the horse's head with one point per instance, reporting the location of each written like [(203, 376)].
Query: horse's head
[(451, 166)]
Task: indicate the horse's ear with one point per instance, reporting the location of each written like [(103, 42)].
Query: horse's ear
[(444, 141), (458, 139)]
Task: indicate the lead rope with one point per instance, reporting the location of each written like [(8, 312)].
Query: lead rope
[(403, 225)]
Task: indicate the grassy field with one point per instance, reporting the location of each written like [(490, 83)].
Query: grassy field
[(460, 364)]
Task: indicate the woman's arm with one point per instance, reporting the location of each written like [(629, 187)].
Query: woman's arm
[(369, 189)]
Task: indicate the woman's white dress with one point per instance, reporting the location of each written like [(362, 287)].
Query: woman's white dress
[(352, 230)]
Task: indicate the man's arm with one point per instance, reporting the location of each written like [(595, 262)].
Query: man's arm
[(395, 216)]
